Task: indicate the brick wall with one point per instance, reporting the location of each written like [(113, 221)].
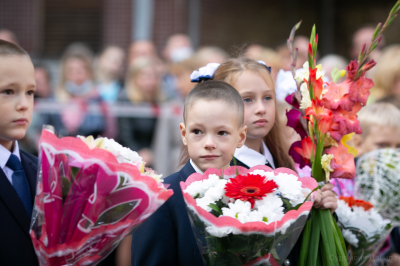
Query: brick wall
[(24, 18), (117, 22)]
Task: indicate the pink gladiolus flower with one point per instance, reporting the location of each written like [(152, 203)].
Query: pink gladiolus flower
[(359, 90), (307, 150), (352, 69), (324, 125), (337, 95), (345, 122), (371, 63), (342, 162)]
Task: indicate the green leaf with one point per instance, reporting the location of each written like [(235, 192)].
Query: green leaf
[(328, 240), (305, 243), (197, 196), (65, 187), (390, 21), (339, 242), (314, 239), (215, 208), (377, 29)]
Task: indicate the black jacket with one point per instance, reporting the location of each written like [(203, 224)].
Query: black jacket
[(16, 246), (166, 238)]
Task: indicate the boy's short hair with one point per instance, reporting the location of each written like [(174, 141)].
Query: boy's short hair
[(378, 114), (8, 48), (212, 90)]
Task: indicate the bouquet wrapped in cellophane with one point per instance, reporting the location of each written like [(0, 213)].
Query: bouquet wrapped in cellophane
[(363, 229), (247, 217), (325, 116), (90, 195), (378, 181)]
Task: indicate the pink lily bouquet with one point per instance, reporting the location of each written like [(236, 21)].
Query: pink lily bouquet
[(247, 217), (325, 116), (91, 193)]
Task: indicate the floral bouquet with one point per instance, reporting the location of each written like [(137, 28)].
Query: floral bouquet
[(325, 116), (90, 195), (247, 217), (378, 182), (363, 228)]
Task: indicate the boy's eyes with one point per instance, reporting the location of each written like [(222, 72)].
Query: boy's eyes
[(197, 132), (8, 92), (247, 100), (222, 133), (31, 92)]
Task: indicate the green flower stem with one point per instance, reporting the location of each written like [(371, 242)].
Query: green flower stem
[(328, 240), (314, 241), (305, 243)]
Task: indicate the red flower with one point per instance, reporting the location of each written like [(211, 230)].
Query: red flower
[(317, 84), (352, 69), (342, 162), (249, 188), (355, 202), (307, 150), (318, 110), (359, 89)]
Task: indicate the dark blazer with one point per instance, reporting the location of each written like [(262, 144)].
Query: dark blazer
[(166, 238), (16, 246)]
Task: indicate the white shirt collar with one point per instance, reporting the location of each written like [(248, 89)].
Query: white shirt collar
[(5, 154), (252, 158), (195, 167)]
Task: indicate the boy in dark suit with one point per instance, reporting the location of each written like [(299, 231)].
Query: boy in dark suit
[(212, 130), (18, 168)]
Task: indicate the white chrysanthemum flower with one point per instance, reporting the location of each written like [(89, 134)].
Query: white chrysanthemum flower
[(123, 154), (350, 237), (290, 187), (204, 202), (238, 210), (217, 191), (217, 231), (200, 187)]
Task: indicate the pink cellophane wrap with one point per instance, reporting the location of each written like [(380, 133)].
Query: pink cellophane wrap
[(294, 220), (86, 202)]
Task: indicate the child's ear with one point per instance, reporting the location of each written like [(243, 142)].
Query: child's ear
[(183, 133), (242, 135), (358, 141)]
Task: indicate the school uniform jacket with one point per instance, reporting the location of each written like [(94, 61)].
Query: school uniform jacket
[(16, 246), (166, 238)]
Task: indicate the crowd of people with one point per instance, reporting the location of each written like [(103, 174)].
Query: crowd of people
[(142, 77)]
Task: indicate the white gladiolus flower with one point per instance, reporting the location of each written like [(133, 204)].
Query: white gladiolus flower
[(305, 97), (350, 237)]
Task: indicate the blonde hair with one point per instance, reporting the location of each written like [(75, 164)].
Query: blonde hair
[(61, 92), (378, 114), (133, 92), (229, 72), (387, 71)]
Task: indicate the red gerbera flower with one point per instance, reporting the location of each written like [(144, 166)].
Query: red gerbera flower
[(355, 202), (249, 187)]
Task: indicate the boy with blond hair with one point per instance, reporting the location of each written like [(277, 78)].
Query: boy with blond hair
[(17, 168), (380, 124)]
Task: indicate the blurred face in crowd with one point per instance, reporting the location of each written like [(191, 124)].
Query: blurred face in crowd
[(212, 134), (259, 104), (147, 80), (112, 62), (396, 86), (178, 48), (142, 49), (378, 137), (42, 83), (183, 83), (8, 36), (17, 87), (76, 71)]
